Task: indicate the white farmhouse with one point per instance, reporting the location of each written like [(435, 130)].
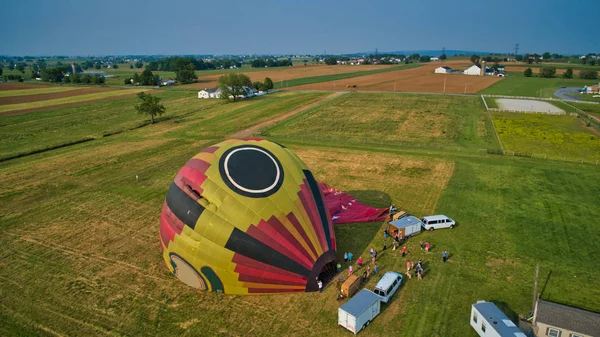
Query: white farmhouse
[(209, 93), (443, 70), (473, 70)]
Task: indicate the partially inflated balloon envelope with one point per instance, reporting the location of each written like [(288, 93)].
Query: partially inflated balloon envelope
[(246, 216)]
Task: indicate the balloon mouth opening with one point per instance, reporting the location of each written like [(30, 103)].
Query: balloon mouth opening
[(324, 270)]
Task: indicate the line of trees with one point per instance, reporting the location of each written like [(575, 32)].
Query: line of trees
[(173, 63), (550, 72), (145, 78), (261, 63)]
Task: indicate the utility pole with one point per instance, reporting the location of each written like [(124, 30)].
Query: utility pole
[(376, 52), (537, 270), (394, 85), (516, 49), (444, 85), (443, 50)]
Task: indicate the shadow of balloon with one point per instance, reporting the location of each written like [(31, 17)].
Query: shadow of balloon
[(356, 237), (372, 198)]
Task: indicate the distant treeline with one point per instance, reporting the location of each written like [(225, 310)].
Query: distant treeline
[(175, 63), (261, 63)]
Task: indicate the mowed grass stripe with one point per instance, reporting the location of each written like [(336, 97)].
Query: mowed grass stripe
[(327, 78), (66, 100), (26, 92)]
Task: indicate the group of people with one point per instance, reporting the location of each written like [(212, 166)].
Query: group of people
[(418, 269)]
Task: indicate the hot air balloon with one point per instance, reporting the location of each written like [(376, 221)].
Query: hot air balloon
[(246, 216)]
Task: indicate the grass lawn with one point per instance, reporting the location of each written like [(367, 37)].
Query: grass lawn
[(594, 109), (396, 119), (515, 84), (545, 135), (334, 77), (80, 251)]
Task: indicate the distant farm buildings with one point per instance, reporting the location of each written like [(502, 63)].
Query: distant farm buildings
[(443, 70), (167, 81), (216, 93)]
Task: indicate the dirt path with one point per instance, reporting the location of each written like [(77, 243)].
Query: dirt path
[(249, 131)]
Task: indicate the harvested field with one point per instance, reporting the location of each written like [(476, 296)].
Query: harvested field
[(10, 109), (529, 105), (421, 79), (18, 86), (35, 97), (287, 73), (35, 91)]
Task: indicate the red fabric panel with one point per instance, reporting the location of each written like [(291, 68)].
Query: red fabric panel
[(300, 229), (344, 208), (198, 165), (253, 138), (308, 202), (211, 149), (274, 223), (248, 274), (269, 236), (241, 260), (273, 290)]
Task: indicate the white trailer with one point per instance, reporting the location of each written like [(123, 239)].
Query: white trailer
[(489, 321), (406, 226), (359, 311)]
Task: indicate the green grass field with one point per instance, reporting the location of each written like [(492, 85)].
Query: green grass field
[(594, 109), (396, 119), (556, 137), (80, 251), (515, 84)]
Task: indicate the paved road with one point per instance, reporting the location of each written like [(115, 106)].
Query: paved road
[(561, 93)]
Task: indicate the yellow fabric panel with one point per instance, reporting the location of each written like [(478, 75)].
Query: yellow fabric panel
[(271, 286), (308, 228), (205, 156), (288, 225)]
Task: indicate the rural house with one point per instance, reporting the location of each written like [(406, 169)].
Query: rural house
[(167, 81), (476, 70), (557, 320), (209, 93), (489, 321), (216, 93), (443, 70)]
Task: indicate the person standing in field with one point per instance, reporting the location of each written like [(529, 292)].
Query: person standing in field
[(359, 262), (444, 255), (320, 286), (349, 257), (427, 246), (375, 269), (408, 267), (349, 270), (345, 256), (403, 251)]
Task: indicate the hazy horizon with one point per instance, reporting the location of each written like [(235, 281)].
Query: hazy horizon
[(45, 28)]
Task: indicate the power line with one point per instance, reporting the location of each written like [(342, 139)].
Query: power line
[(517, 49)]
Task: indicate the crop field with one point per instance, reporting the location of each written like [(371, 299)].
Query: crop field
[(79, 243), (25, 97), (556, 137), (282, 74), (594, 109), (515, 84), (34, 90), (396, 119), (421, 79), (31, 102)]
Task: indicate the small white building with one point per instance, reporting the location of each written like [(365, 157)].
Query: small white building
[(443, 70), (167, 81), (473, 70), (434, 59), (209, 93), (489, 321)]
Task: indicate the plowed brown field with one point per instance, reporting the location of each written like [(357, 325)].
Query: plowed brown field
[(421, 79), (287, 73), (52, 95), (19, 86)]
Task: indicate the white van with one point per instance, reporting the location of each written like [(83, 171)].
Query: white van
[(387, 286), (437, 221)]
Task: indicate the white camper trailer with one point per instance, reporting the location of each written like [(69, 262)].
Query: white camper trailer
[(489, 321), (359, 311)]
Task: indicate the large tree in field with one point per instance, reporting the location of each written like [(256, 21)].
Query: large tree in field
[(232, 85), (548, 72), (568, 73), (475, 59), (147, 78), (268, 84), (528, 72), (185, 72), (149, 105)]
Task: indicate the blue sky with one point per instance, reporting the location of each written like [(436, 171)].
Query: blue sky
[(108, 27)]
